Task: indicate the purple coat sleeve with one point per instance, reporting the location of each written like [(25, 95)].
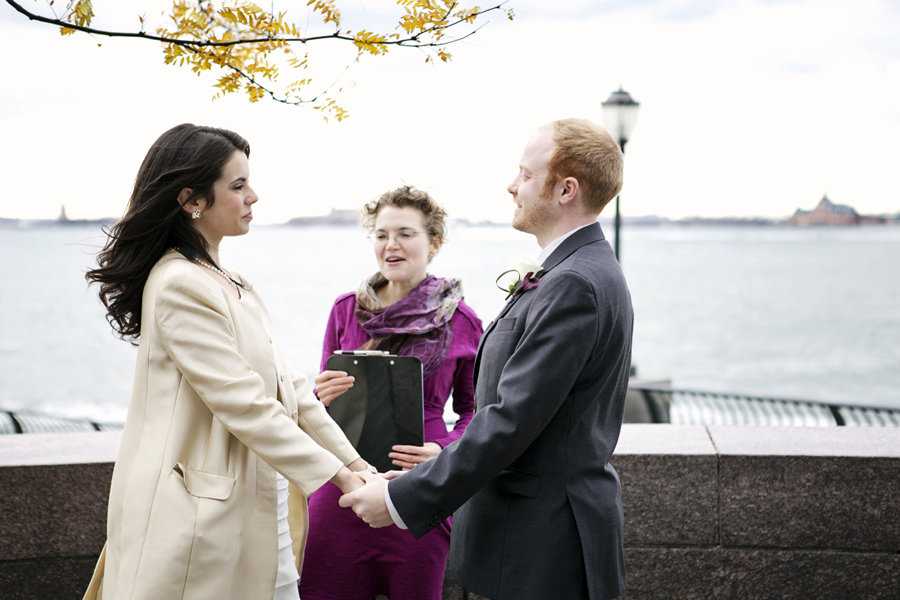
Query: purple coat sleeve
[(467, 331), (337, 327)]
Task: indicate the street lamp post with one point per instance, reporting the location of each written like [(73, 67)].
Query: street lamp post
[(620, 116)]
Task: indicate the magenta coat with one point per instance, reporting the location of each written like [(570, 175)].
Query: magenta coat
[(345, 558)]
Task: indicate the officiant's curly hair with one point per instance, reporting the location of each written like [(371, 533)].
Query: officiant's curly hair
[(407, 196), (186, 156), (587, 152)]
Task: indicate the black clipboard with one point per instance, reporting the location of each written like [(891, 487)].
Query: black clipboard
[(384, 407)]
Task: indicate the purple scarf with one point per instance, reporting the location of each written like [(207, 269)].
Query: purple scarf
[(418, 325)]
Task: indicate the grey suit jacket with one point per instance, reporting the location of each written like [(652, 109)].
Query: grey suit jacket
[(541, 510)]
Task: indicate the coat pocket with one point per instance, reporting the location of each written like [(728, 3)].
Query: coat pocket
[(518, 483), (505, 324), (201, 484)]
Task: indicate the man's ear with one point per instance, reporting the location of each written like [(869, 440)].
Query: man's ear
[(569, 191), (186, 206)]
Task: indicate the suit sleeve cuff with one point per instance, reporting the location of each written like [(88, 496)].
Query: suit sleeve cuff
[(395, 516)]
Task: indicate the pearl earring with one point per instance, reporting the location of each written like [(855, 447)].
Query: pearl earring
[(195, 214)]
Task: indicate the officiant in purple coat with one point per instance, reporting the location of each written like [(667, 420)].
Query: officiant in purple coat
[(405, 311)]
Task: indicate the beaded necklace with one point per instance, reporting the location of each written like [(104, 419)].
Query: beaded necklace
[(212, 268), (219, 271)]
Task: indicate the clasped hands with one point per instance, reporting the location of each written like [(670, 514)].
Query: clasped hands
[(367, 501)]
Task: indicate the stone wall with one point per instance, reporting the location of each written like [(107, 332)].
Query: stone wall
[(711, 512), (53, 492), (761, 512)]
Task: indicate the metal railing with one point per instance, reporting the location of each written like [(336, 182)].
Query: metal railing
[(31, 422), (662, 404), (695, 407)]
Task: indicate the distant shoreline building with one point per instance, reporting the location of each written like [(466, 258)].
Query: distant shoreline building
[(826, 212), (335, 217)]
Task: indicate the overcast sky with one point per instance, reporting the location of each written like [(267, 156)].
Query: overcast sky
[(748, 108)]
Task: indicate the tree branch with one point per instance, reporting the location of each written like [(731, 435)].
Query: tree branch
[(197, 40), (411, 41)]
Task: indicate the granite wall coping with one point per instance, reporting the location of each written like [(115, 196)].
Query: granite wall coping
[(31, 449), (646, 438), (635, 439), (806, 441), (730, 440)]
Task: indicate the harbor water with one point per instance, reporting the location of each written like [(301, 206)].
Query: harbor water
[(805, 313)]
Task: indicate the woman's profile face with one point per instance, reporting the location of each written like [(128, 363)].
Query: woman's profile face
[(402, 245), (231, 213)]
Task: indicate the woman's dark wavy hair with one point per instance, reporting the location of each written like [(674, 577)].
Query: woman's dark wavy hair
[(186, 156)]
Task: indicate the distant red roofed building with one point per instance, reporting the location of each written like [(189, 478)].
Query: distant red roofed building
[(826, 212)]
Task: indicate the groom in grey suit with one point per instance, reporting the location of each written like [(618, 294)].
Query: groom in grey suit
[(537, 509)]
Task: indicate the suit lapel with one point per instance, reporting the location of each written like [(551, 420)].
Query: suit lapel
[(487, 332), (591, 233)]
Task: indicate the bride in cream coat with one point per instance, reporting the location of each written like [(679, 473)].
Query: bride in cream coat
[(223, 441)]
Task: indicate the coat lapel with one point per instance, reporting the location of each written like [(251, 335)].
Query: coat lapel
[(591, 233)]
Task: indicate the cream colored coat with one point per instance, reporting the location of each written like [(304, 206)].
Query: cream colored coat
[(214, 413)]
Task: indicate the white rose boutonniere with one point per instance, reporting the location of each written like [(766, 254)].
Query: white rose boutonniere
[(521, 277)]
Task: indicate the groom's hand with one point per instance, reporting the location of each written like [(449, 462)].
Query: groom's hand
[(368, 501)]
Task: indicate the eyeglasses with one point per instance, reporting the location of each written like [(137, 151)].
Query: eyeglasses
[(401, 236)]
